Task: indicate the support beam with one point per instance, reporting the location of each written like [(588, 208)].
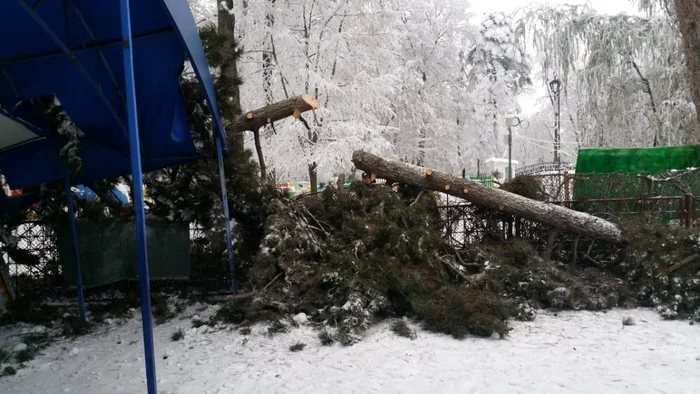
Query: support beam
[(552, 215), (139, 212), (84, 47), (74, 231), (104, 61), (227, 218)]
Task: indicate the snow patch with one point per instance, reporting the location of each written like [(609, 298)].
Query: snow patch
[(564, 352)]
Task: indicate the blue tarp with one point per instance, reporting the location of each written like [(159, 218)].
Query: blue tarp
[(73, 49), (85, 193)]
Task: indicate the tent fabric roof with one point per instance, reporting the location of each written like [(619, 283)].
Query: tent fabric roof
[(13, 132), (73, 49)]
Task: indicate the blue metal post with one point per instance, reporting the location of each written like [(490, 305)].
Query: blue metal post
[(71, 213), (227, 220), (134, 150)]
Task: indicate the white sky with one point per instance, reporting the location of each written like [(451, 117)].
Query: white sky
[(479, 7)]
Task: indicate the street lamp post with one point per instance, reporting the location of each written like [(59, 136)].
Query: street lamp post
[(510, 122), (555, 86), (510, 153)]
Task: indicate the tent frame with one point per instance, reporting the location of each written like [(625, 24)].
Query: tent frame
[(136, 150), (137, 190)]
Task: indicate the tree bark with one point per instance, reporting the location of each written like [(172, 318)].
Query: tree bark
[(313, 178), (229, 72), (549, 214), (688, 14), (261, 157), (293, 106), (341, 182)]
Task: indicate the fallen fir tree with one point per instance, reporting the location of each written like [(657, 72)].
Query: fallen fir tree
[(256, 119), (552, 215), (348, 259)]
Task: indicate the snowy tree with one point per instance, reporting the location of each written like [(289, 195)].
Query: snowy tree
[(686, 13), (627, 72), (432, 107), (387, 74), (326, 52), (203, 11), (497, 71)]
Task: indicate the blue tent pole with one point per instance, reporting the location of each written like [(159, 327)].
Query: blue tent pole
[(71, 213), (227, 220), (134, 151)]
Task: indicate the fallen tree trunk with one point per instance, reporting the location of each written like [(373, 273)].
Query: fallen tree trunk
[(552, 215), (293, 106)]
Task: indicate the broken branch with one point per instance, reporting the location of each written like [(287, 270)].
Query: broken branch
[(293, 106)]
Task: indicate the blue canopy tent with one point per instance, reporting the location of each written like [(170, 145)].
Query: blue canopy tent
[(114, 66)]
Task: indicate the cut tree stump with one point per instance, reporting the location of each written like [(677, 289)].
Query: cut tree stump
[(552, 215), (293, 106)]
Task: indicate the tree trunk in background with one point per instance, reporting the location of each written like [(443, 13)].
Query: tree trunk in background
[(313, 177), (688, 14), (341, 182), (267, 64), (552, 215), (261, 158), (229, 72)]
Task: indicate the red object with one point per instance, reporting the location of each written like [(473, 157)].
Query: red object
[(16, 192)]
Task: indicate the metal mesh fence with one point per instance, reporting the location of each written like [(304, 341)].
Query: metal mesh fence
[(669, 198), (34, 263)]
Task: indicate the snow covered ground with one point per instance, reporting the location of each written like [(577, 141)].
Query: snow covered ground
[(572, 352)]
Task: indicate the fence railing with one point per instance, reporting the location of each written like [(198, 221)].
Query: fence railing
[(539, 168), (465, 225)]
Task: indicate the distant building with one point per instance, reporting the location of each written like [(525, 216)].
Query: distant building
[(499, 168)]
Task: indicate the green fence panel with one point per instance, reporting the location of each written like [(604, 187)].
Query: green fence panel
[(108, 251), (484, 180), (642, 160), (617, 173)]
